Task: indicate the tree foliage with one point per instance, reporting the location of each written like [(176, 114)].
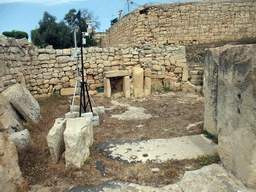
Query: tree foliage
[(73, 23), (60, 35), (16, 34)]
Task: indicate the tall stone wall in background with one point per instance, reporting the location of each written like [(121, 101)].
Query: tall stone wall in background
[(185, 23), (43, 71)]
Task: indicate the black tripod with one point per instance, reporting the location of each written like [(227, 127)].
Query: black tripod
[(84, 88)]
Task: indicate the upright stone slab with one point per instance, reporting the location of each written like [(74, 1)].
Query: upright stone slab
[(236, 104), (107, 87), (55, 139), (23, 102), (78, 136), (147, 87), (137, 79), (185, 73), (127, 87), (210, 90)]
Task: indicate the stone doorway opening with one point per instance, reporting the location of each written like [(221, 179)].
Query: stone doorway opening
[(117, 82)]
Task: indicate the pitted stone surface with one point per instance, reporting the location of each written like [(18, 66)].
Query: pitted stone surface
[(55, 139), (160, 150), (212, 178), (133, 113), (78, 136), (23, 102)]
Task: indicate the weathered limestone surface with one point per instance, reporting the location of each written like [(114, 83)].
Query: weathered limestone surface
[(55, 139), (10, 174), (7, 121), (127, 87), (235, 109), (119, 73), (147, 87), (21, 139), (107, 87), (210, 91), (138, 83), (23, 102), (44, 71), (78, 136), (184, 23)]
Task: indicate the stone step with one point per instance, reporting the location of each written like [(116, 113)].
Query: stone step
[(196, 81), (194, 72), (197, 77)]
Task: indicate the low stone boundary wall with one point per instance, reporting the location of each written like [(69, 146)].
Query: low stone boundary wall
[(44, 71)]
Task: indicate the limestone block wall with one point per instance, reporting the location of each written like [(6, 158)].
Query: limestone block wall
[(230, 103), (43, 71), (184, 23)]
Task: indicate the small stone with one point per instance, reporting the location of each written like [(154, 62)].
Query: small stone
[(134, 156), (155, 169)]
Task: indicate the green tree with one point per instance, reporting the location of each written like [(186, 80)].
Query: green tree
[(74, 23), (70, 18), (16, 34), (51, 33)]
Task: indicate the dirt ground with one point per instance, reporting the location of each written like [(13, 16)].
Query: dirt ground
[(171, 113), (170, 116)]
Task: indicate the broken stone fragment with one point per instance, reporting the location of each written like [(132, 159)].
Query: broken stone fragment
[(78, 137), (21, 139), (23, 102), (55, 139)]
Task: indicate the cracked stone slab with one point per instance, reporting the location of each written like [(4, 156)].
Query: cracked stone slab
[(133, 113), (212, 178), (159, 150)]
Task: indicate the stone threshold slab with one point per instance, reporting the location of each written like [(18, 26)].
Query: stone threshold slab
[(159, 150)]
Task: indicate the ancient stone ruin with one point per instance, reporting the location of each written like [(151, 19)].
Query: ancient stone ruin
[(144, 50), (230, 104)]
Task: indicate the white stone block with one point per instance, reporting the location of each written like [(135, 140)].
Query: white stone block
[(55, 139), (73, 114), (99, 110), (87, 115), (96, 121), (21, 139), (78, 136)]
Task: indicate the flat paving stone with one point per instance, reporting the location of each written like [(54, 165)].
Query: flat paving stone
[(212, 178), (159, 150)]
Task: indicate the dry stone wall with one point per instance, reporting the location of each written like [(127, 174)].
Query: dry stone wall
[(185, 23), (43, 71)]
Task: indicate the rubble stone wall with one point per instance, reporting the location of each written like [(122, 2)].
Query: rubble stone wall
[(44, 70), (230, 103), (185, 23)]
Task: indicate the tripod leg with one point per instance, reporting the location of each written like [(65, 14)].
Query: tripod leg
[(88, 96), (73, 100)]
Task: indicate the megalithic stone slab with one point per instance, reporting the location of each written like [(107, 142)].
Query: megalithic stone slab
[(107, 87), (147, 86), (127, 87), (55, 139), (78, 136), (137, 79), (23, 102)]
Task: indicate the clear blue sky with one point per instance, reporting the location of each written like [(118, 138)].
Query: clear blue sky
[(24, 15)]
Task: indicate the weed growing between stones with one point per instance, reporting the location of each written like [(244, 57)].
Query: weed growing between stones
[(100, 90), (88, 161), (208, 159), (210, 136)]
